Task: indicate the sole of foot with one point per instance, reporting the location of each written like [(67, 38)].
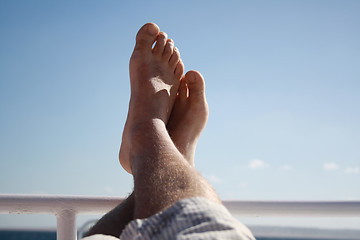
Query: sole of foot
[(155, 74)]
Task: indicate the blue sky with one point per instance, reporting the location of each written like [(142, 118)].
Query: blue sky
[(282, 82)]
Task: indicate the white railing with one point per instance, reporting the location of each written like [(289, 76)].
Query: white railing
[(65, 208)]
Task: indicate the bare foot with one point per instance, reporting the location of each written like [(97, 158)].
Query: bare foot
[(155, 75), (189, 115)]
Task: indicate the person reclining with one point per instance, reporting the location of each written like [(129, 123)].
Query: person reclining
[(167, 113)]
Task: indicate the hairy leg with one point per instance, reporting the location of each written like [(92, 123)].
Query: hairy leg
[(186, 122)]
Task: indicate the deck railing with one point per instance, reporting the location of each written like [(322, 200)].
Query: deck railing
[(66, 208)]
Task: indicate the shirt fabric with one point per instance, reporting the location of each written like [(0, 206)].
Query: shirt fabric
[(190, 219)]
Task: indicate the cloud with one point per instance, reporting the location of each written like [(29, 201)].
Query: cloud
[(286, 167), (330, 166), (352, 170), (257, 163)]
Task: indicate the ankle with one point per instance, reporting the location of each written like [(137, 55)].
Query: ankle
[(144, 133), (143, 127)]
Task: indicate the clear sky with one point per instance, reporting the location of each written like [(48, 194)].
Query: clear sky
[(282, 81)]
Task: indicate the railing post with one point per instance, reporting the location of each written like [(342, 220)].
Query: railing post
[(66, 225)]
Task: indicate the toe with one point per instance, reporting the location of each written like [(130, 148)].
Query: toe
[(182, 90), (160, 44), (196, 85), (179, 70), (168, 50), (174, 59), (146, 36)]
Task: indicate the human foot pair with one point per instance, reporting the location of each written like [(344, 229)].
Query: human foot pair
[(160, 91)]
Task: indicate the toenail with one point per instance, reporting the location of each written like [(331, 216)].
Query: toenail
[(191, 80), (163, 34), (152, 28)]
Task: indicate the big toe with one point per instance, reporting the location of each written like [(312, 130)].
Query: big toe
[(196, 85), (147, 35)]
